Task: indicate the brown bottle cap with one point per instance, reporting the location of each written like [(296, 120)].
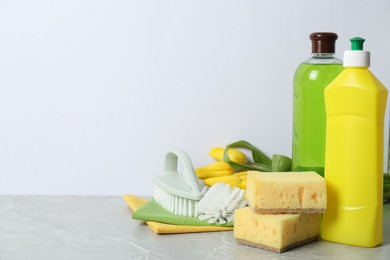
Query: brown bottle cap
[(323, 42)]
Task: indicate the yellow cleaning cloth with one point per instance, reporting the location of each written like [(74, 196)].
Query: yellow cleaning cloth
[(135, 202)]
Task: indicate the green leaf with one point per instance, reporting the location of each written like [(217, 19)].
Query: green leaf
[(257, 155), (261, 161), (281, 163)]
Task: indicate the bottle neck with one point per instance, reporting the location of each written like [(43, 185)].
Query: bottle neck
[(318, 55), (323, 58)]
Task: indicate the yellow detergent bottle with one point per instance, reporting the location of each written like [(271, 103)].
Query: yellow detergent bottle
[(355, 106)]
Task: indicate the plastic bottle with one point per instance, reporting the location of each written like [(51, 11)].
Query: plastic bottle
[(355, 105), (309, 119)]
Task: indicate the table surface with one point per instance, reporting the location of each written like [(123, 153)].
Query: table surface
[(81, 227)]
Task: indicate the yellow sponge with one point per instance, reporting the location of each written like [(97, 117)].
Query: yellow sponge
[(286, 192), (276, 233)]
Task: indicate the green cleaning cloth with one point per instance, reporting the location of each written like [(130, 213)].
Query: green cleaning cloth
[(152, 211)]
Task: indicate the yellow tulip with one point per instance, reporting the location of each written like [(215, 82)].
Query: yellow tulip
[(235, 155), (232, 180), (216, 169)]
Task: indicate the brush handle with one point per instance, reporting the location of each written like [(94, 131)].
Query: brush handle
[(189, 175)]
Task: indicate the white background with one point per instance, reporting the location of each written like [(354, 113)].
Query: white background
[(93, 93)]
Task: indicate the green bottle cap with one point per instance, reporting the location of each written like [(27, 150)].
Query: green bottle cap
[(357, 43), (356, 57)]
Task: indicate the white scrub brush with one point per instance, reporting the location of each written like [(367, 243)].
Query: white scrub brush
[(179, 193), (219, 203)]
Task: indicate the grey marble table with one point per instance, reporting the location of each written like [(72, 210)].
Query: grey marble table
[(78, 227)]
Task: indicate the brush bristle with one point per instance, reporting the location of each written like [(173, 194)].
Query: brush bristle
[(176, 205)]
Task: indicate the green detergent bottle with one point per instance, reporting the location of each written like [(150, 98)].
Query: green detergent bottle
[(309, 118)]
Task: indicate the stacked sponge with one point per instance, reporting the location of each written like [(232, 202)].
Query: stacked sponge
[(284, 210)]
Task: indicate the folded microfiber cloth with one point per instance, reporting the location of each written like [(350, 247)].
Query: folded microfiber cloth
[(154, 214), (152, 211)]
